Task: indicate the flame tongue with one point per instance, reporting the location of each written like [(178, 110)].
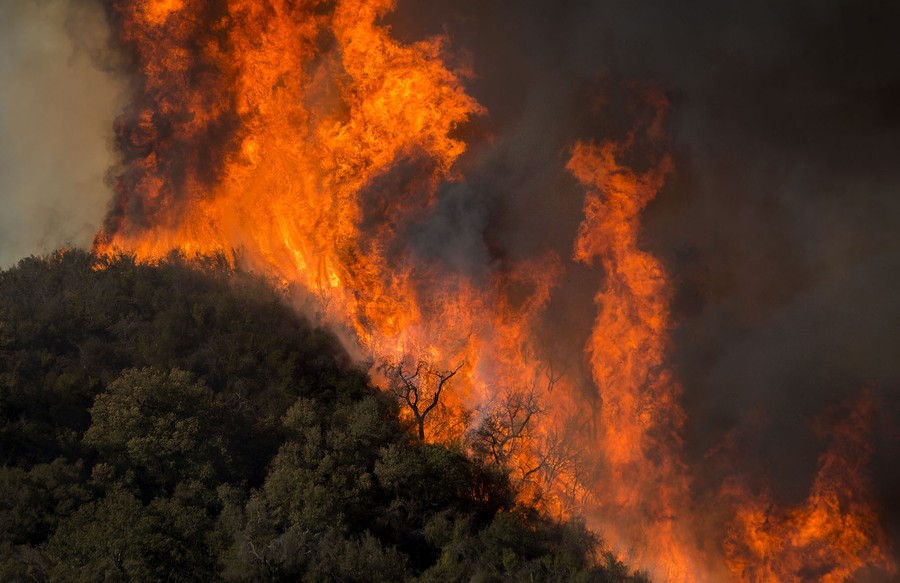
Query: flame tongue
[(250, 135), (640, 416)]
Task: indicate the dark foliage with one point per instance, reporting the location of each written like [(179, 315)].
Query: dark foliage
[(180, 423)]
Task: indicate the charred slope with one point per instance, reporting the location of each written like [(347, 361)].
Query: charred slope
[(175, 423)]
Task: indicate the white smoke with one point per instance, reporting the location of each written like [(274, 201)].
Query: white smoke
[(57, 105)]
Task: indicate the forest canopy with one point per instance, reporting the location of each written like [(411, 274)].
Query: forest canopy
[(179, 422)]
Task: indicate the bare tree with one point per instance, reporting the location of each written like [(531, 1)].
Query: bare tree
[(507, 419), (419, 388), (505, 425), (544, 462)]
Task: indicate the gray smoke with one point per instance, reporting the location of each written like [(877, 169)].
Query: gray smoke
[(56, 109)]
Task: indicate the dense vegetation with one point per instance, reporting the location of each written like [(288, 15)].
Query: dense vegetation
[(172, 423)]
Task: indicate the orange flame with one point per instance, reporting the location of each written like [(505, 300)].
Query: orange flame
[(640, 416), (308, 110), (829, 538)]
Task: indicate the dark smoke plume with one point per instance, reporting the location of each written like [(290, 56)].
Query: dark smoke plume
[(779, 225)]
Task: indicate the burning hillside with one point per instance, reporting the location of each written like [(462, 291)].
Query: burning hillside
[(325, 145)]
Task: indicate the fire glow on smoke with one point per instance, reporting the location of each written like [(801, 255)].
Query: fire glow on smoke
[(300, 139)]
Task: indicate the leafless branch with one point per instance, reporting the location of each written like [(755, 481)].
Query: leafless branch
[(420, 388)]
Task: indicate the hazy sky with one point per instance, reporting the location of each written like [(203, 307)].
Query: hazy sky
[(56, 112)]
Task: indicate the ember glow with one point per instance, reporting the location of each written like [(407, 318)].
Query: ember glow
[(301, 139)]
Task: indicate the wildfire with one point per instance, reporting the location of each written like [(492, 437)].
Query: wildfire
[(640, 415), (281, 139), (300, 139), (828, 538)]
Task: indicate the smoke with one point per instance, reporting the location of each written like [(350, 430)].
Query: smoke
[(779, 225), (56, 108)]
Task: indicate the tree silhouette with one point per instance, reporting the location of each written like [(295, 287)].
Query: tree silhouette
[(419, 388)]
